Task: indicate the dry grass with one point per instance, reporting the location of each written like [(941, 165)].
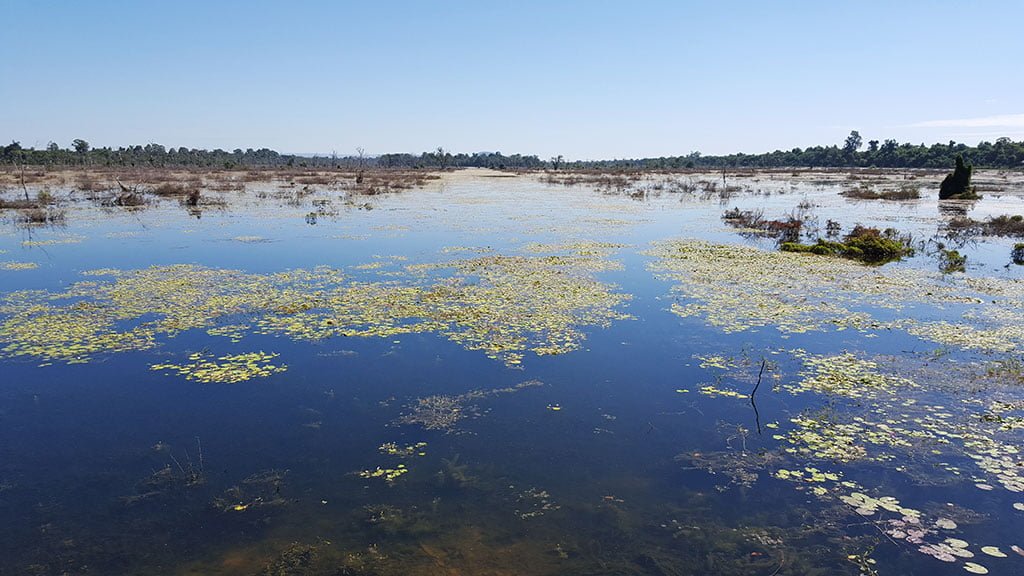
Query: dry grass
[(1003, 225)]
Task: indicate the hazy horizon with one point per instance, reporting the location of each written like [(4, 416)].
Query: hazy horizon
[(588, 80)]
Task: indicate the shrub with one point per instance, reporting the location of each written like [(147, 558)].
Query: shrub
[(1017, 254), (952, 261), (868, 245)]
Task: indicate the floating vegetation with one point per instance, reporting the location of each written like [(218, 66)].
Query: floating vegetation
[(230, 369), (738, 288), (535, 502), (929, 443), (501, 305), (393, 449), (440, 412), (11, 265), (711, 390), (52, 241), (233, 331), (388, 474), (844, 375)]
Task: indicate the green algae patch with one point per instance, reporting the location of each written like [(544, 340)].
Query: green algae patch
[(504, 306), (230, 369)]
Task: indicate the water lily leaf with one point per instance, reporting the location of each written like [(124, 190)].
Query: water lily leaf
[(993, 551)]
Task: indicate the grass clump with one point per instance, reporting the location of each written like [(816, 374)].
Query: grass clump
[(786, 231), (952, 261), (1002, 225), (174, 189), (904, 192), (1005, 225), (864, 244)]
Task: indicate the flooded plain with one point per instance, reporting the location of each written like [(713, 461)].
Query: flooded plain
[(490, 373)]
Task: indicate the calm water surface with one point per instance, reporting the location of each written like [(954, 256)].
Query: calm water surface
[(604, 459)]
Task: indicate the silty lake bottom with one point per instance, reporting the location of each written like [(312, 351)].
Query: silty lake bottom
[(501, 374)]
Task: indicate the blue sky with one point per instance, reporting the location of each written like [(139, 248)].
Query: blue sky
[(587, 79)]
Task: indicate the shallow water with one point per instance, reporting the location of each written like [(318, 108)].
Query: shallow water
[(629, 445)]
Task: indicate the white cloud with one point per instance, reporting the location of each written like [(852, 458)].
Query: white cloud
[(997, 121)]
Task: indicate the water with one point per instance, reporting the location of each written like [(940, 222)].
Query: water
[(607, 458)]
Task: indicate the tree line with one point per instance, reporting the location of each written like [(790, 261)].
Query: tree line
[(1003, 153)]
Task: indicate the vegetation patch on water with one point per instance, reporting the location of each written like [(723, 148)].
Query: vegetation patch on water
[(740, 288), (868, 245), (230, 369), (504, 306), (871, 418)]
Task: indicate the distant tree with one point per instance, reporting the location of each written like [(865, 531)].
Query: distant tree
[(872, 146), (80, 146), (556, 162), (442, 157), (52, 147), (853, 142)]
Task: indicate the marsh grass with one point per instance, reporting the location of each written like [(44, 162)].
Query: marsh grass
[(1002, 225), (787, 230), (867, 192), (864, 244)]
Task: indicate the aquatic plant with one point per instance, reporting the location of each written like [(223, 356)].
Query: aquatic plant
[(230, 369), (951, 261), (868, 245), (1017, 254), (10, 265), (501, 305), (440, 412), (787, 230), (864, 192)]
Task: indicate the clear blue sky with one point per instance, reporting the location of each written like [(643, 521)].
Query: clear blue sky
[(587, 79)]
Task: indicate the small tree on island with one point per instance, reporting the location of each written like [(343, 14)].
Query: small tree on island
[(958, 184)]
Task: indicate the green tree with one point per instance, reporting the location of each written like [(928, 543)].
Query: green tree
[(853, 142)]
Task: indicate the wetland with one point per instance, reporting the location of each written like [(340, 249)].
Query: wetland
[(402, 372)]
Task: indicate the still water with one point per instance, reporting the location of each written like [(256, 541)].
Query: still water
[(498, 375)]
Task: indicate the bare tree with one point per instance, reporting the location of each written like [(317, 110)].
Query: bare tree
[(556, 162)]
